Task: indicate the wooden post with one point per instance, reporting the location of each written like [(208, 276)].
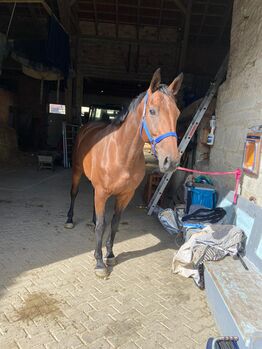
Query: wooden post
[(79, 94), (185, 36), (68, 100)]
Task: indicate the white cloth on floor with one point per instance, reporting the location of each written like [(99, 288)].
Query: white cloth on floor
[(212, 243)]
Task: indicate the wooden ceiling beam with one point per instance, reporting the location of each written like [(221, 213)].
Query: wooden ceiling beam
[(107, 73), (225, 22), (181, 7), (203, 18), (138, 19), (64, 12), (96, 17), (72, 2), (132, 7), (117, 19), (35, 16), (32, 2), (150, 16), (182, 59), (42, 2), (212, 3), (100, 39), (160, 18)]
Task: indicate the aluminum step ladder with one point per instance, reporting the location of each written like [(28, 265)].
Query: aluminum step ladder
[(190, 131), (69, 132)]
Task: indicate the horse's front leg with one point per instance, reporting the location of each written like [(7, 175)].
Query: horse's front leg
[(122, 201), (100, 201)]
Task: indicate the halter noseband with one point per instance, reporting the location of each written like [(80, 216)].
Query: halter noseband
[(153, 141)]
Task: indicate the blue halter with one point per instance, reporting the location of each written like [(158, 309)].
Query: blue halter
[(153, 141)]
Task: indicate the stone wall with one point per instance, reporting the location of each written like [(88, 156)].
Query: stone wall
[(239, 104)]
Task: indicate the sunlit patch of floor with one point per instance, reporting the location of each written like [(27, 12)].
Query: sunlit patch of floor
[(50, 297)]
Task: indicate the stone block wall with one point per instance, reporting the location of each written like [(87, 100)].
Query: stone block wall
[(239, 104)]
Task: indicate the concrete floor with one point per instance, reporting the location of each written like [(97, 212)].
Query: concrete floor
[(49, 295)]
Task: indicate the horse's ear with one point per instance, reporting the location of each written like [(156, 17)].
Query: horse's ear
[(156, 80), (174, 87)]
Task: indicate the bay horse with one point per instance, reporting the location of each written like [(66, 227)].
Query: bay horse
[(112, 158)]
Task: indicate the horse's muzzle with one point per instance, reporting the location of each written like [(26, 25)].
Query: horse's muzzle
[(168, 164)]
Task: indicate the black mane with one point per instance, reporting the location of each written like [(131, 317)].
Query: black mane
[(122, 115)]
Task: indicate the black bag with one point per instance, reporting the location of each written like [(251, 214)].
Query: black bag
[(205, 215)]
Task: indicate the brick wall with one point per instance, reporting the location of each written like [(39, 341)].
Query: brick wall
[(239, 104)]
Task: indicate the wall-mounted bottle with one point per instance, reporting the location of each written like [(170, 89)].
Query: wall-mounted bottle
[(211, 136)]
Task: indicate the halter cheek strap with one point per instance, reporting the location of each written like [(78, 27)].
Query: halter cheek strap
[(153, 141)]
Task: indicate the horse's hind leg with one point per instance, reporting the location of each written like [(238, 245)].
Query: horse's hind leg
[(94, 210), (100, 202), (74, 191), (122, 201)]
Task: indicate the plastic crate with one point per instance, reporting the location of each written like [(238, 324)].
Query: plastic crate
[(201, 195)]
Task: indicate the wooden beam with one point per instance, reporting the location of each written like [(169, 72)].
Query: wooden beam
[(75, 19), (129, 5), (129, 57), (226, 20), (138, 19), (160, 18), (181, 7), (117, 21), (185, 36), (96, 18), (104, 39), (203, 19), (64, 13), (113, 74), (72, 2), (45, 5), (214, 3), (137, 59), (174, 11), (65, 16), (42, 2), (35, 16), (79, 93), (109, 73)]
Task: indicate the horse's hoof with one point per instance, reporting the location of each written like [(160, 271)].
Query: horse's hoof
[(111, 261), (69, 225), (101, 272)]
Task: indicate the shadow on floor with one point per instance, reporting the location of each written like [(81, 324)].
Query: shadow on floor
[(33, 211)]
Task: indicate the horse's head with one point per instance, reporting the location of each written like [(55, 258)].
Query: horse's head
[(160, 119)]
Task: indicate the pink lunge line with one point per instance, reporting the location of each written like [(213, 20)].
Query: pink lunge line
[(237, 173)]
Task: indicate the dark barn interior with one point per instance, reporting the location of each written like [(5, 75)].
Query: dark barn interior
[(130, 210), (115, 46)]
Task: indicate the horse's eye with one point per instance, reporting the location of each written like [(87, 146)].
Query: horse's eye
[(152, 111)]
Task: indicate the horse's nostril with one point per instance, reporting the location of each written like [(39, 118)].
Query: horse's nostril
[(166, 162)]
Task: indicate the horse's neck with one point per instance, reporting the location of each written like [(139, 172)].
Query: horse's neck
[(129, 138)]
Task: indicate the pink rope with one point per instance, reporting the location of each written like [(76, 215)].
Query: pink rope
[(237, 173)]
